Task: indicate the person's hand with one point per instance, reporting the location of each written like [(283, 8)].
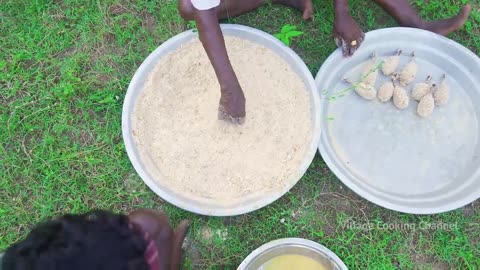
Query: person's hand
[(156, 226), (347, 34), (232, 104)]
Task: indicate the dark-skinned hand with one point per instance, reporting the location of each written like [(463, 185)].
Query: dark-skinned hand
[(232, 104), (347, 34), (168, 241)]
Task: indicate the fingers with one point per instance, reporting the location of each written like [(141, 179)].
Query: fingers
[(360, 40), (353, 46), (345, 48), (230, 119), (338, 41), (352, 50), (349, 47), (238, 120), (224, 116), (357, 43)]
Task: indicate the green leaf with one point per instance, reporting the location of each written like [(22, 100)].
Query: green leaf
[(294, 34), (278, 35), (330, 118), (192, 24), (468, 27), (287, 28), (285, 40)]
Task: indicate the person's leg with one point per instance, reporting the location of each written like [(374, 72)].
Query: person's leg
[(305, 6), (405, 15), (232, 8), (227, 8)]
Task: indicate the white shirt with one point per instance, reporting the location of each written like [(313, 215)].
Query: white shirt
[(205, 4)]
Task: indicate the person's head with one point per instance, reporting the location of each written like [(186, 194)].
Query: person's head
[(98, 240)]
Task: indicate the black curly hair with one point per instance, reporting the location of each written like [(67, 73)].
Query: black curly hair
[(97, 240)]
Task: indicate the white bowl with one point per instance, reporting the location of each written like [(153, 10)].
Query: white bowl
[(292, 246), (246, 204), (394, 158)]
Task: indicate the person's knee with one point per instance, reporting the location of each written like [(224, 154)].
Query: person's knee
[(186, 9)]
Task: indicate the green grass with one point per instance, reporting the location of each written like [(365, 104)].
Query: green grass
[(64, 70)]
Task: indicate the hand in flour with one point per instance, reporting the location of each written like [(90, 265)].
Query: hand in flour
[(206, 15), (232, 101), (232, 104)]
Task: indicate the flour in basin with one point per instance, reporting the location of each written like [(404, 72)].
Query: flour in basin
[(187, 150)]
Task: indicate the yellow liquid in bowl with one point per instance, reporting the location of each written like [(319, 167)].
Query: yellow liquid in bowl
[(293, 262)]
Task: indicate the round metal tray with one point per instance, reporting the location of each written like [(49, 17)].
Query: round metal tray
[(292, 246), (394, 158), (207, 206)]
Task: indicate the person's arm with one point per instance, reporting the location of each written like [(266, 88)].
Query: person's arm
[(346, 31), (232, 102)]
